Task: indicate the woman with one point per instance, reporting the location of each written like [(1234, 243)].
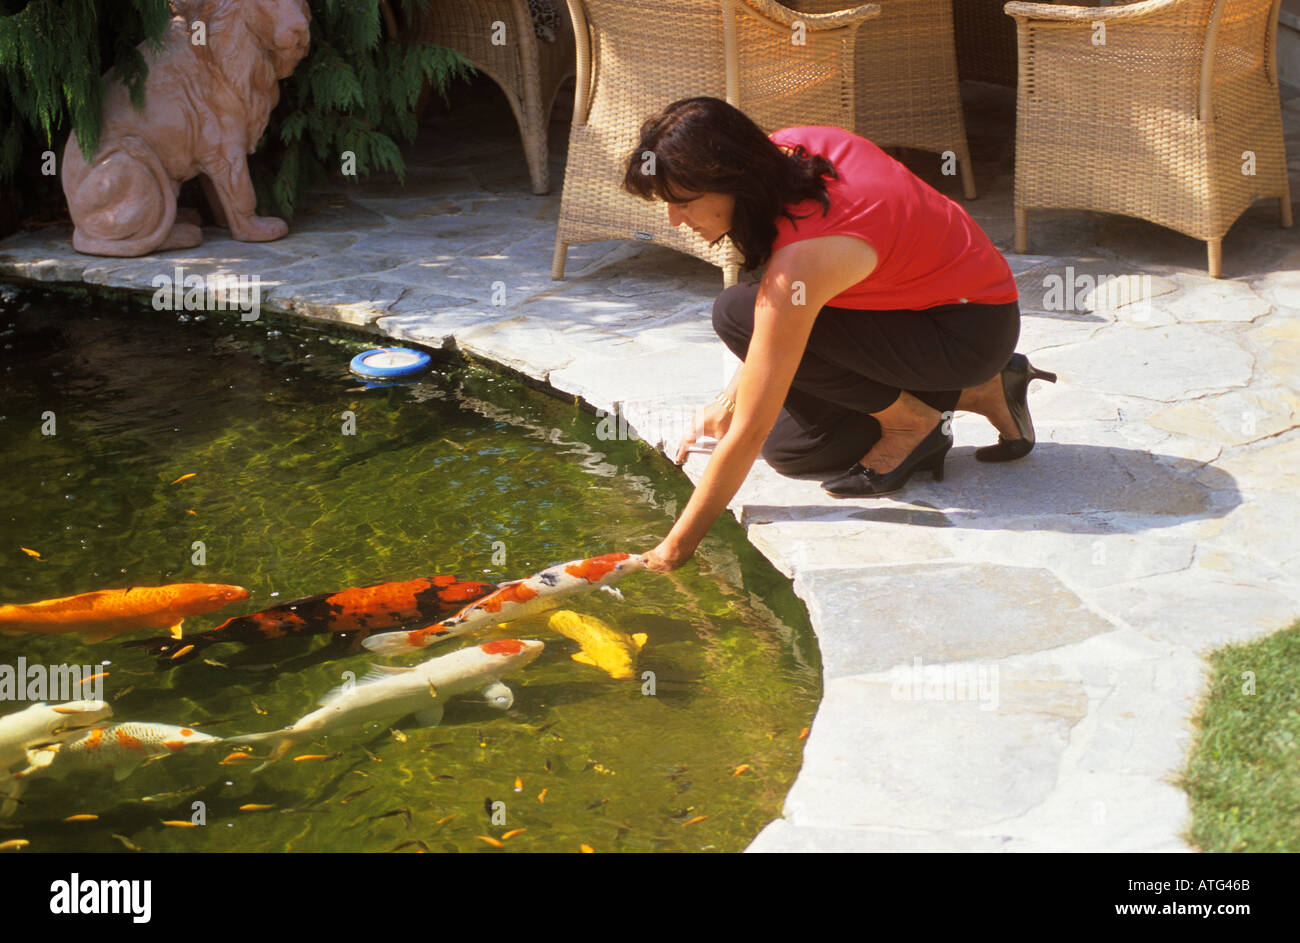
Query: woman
[(882, 309)]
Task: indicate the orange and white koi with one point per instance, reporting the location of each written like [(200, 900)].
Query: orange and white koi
[(108, 612), (518, 600), (388, 693), (121, 748), (43, 724)]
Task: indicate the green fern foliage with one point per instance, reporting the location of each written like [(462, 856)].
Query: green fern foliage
[(52, 54), (352, 99)]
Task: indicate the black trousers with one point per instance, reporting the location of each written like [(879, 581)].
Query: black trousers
[(857, 362)]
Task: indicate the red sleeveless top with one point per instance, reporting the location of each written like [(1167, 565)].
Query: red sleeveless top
[(930, 251)]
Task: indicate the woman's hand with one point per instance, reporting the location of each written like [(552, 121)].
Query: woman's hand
[(713, 421), (665, 557)]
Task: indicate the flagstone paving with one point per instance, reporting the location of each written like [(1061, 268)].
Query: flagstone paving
[(1065, 601)]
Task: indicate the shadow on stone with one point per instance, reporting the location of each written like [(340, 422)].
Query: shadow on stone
[(1059, 486)]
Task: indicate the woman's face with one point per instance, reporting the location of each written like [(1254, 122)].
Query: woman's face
[(709, 214)]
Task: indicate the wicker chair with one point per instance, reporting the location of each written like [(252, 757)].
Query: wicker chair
[(1156, 122), (907, 93), (986, 41), (530, 71), (634, 59)]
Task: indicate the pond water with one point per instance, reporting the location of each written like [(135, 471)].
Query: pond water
[(466, 472)]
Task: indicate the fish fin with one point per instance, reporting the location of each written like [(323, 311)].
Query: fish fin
[(613, 591), (9, 798), (176, 629), (429, 716), (389, 643), (639, 639), (380, 672), (376, 674), (164, 646), (583, 658), (499, 696), (281, 748), (40, 757), (127, 766)]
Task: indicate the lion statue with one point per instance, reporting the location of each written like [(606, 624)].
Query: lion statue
[(206, 106)]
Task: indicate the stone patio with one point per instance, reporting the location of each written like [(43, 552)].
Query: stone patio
[(1069, 596)]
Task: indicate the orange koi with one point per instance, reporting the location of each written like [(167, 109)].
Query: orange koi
[(489, 840), (83, 817), (108, 612)]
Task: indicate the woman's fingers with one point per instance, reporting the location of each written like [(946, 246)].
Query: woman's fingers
[(687, 441)]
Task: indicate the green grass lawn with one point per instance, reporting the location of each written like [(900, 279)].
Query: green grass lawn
[(1243, 775)]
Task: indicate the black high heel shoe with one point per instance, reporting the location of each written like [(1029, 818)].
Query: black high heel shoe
[(1015, 385), (864, 482)]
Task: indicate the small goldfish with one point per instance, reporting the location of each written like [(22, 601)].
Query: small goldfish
[(603, 646), (108, 612)]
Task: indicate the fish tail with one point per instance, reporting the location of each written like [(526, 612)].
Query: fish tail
[(173, 651), (395, 643), (281, 741)]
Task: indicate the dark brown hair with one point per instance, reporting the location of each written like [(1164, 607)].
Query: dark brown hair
[(704, 145)]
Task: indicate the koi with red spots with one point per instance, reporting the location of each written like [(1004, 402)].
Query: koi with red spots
[(349, 614), (517, 600), (108, 612), (121, 748)]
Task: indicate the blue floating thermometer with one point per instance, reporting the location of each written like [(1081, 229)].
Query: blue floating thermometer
[(390, 363)]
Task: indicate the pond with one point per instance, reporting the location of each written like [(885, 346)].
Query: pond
[(252, 439)]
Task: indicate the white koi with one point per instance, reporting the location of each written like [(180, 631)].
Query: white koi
[(42, 724), (388, 693)]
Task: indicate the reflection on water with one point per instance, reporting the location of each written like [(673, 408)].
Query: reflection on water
[(464, 473)]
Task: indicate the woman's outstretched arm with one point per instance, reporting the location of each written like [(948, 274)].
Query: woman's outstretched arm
[(799, 280)]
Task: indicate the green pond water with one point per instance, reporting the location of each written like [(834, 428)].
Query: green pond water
[(440, 477)]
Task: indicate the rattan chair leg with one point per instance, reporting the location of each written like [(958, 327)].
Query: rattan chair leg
[(730, 275), (1284, 204), (1214, 249), (1022, 231), (557, 262), (968, 180), (537, 154)]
